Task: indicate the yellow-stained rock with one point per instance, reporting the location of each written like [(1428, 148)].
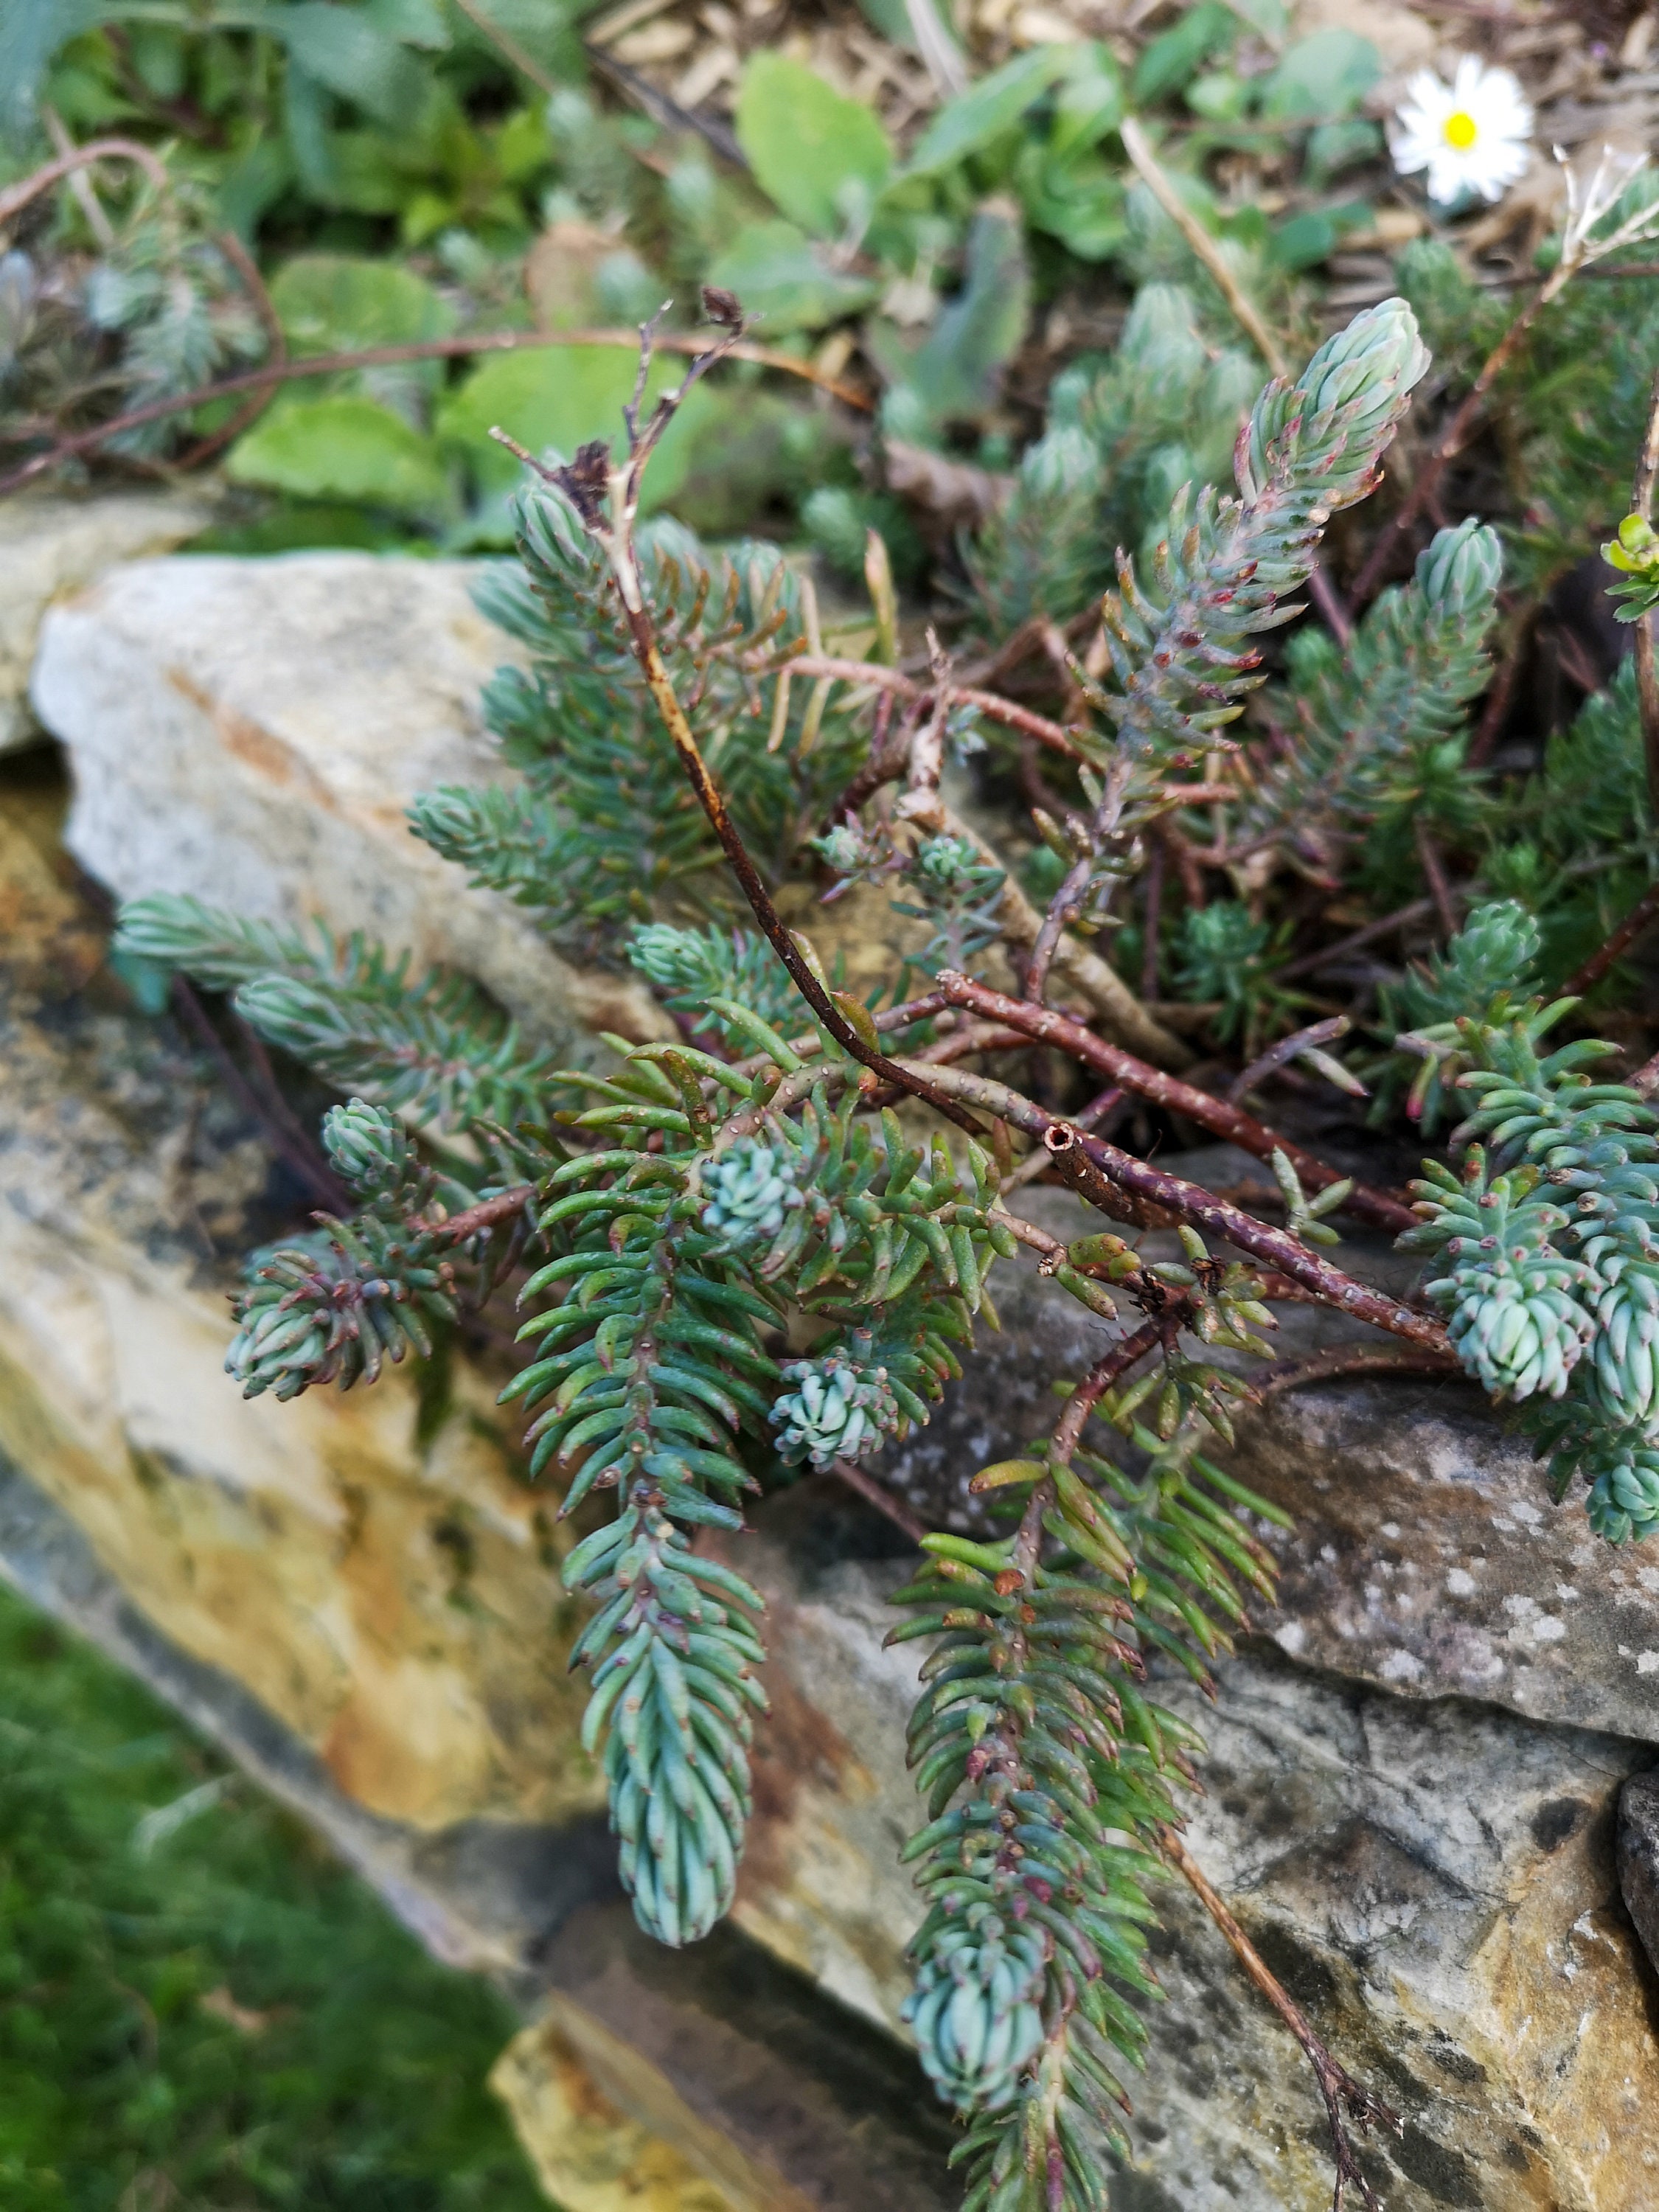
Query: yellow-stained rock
[(371, 1567), (590, 2156)]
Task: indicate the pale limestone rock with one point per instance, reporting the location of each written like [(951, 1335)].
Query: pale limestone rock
[(52, 546), (394, 1602), (251, 732)]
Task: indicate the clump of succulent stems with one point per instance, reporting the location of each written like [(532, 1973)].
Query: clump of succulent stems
[(789, 1154)]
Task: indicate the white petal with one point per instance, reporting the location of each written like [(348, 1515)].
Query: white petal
[(1468, 80)]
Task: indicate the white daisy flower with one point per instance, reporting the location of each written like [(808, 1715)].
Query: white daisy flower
[(1471, 135)]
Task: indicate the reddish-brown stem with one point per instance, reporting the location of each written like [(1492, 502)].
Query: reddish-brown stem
[(1615, 946), (455, 348), (777, 935), (1345, 2098), (487, 1213), (1151, 916), (1280, 1055), (879, 679), (277, 1107), (16, 197), (1329, 604), (1066, 902), (1115, 1180), (1351, 1360), (1215, 1115), (248, 269), (616, 537), (1497, 707), (324, 1187), (884, 1500), (1450, 442), (1092, 1115), (1128, 1352), (1434, 869), (973, 1037)]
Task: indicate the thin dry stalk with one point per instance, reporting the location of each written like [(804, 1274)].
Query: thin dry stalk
[(1345, 2099)]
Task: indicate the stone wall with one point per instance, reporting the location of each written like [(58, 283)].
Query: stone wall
[(1416, 1764)]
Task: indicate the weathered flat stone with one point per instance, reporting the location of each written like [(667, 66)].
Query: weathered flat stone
[(250, 732), (709, 2080), (788, 2104), (357, 1597), (1428, 1555), (50, 546)]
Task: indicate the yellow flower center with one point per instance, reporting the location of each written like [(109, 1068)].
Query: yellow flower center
[(1460, 132)]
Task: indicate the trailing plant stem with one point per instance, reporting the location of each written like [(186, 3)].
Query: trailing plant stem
[(1102, 1174), (1216, 1114)]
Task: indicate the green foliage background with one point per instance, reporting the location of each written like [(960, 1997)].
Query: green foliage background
[(120, 2089)]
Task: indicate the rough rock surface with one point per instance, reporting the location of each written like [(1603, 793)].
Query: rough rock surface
[(1638, 1858), (251, 732), (358, 1599), (1433, 1882), (1426, 1556), (588, 2154), (49, 547)]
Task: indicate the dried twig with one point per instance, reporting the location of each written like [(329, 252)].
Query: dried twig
[(255, 405), (1128, 1352), (455, 348), (1066, 904), (1092, 1115), (874, 1494), (1497, 707), (297, 1156), (1339, 1359), (17, 196), (1345, 2098), (1291, 1048), (1434, 868), (1098, 982), (487, 1213), (1152, 916), (990, 703), (1246, 313), (1402, 918), (1329, 603)]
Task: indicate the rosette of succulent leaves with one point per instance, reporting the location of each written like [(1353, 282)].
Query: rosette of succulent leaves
[(763, 1242)]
